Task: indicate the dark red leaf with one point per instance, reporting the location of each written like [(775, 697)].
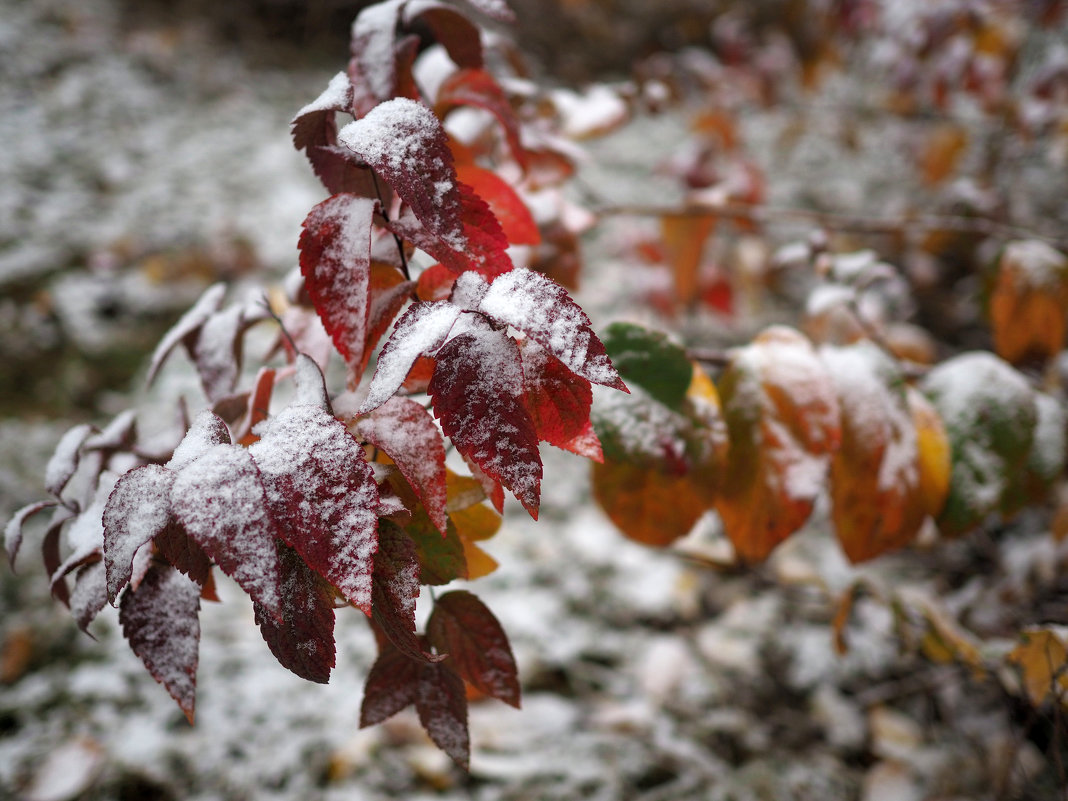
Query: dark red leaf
[(160, 622), (559, 402), (220, 501), (477, 392), (456, 33), (475, 87), (373, 67), (406, 432), (304, 639), (314, 131), (137, 510), (335, 259), (181, 550), (50, 554), (13, 529), (464, 628), (420, 331), (392, 684), (321, 492), (441, 701), (395, 590)]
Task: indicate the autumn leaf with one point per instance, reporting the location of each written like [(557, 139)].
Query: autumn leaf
[(559, 402), (1042, 660), (392, 684), (684, 237), (516, 221), (160, 621), (137, 510), (395, 590), (651, 360), (441, 701), (782, 417), (441, 555), (933, 463), (475, 87), (941, 152), (464, 628), (1029, 302), (876, 496)]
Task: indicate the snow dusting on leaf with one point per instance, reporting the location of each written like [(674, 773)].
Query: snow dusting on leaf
[(406, 432), (420, 331), (137, 510), (89, 595), (187, 327), (207, 430), (373, 68), (539, 307), (160, 622), (477, 392), (441, 701), (13, 529), (65, 458), (396, 589), (392, 684), (322, 495), (335, 259), (220, 501)]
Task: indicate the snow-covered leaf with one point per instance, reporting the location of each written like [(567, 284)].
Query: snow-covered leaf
[(160, 621), (396, 589), (559, 402), (89, 594), (64, 460), (477, 392), (13, 529), (441, 701), (1029, 302), (137, 510), (185, 330)]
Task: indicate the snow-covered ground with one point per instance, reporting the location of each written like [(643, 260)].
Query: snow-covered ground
[(645, 675)]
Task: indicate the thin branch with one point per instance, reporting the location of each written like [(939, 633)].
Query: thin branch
[(396, 238)]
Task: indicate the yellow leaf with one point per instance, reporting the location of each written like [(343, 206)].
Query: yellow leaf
[(782, 420), (933, 453), (479, 563), (1029, 303), (1043, 663), (650, 504), (476, 522), (462, 491)]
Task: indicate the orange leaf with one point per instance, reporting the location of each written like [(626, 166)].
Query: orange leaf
[(875, 490), (1029, 302), (1043, 663), (511, 212), (684, 242), (782, 419)]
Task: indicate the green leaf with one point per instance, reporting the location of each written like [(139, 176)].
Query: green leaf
[(649, 359), (441, 558)]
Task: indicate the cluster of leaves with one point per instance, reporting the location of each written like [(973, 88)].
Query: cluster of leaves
[(307, 509)]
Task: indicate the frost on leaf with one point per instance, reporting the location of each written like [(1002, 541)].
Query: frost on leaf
[(160, 622), (877, 501), (335, 259), (406, 432), (186, 329), (137, 510), (13, 529), (539, 307), (64, 461), (304, 639), (420, 331), (373, 68), (207, 431), (477, 392), (322, 495), (89, 594), (1029, 302), (220, 501), (464, 628), (441, 701), (990, 415), (782, 418), (396, 589), (559, 402), (314, 130)]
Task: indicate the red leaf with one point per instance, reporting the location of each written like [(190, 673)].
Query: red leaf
[(13, 529), (160, 622), (181, 550), (185, 330), (138, 509), (559, 402), (220, 501), (314, 131), (536, 305), (373, 68), (464, 628), (304, 639), (475, 87), (321, 491), (435, 283), (516, 221), (477, 392), (420, 331), (257, 408), (335, 259), (395, 590), (89, 595), (441, 702), (406, 432), (456, 33), (392, 684), (389, 292)]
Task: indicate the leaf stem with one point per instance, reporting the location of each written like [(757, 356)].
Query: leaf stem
[(396, 238)]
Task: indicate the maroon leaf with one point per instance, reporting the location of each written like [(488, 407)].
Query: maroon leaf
[(85, 535), (392, 684), (185, 330), (373, 68), (160, 622), (464, 628), (536, 305), (477, 392), (64, 461), (395, 591), (456, 33), (406, 432), (420, 331), (475, 87), (441, 701), (335, 259), (494, 9), (321, 490), (559, 402), (13, 529), (50, 554), (89, 595), (137, 510), (181, 550), (303, 641), (405, 144), (220, 501)]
